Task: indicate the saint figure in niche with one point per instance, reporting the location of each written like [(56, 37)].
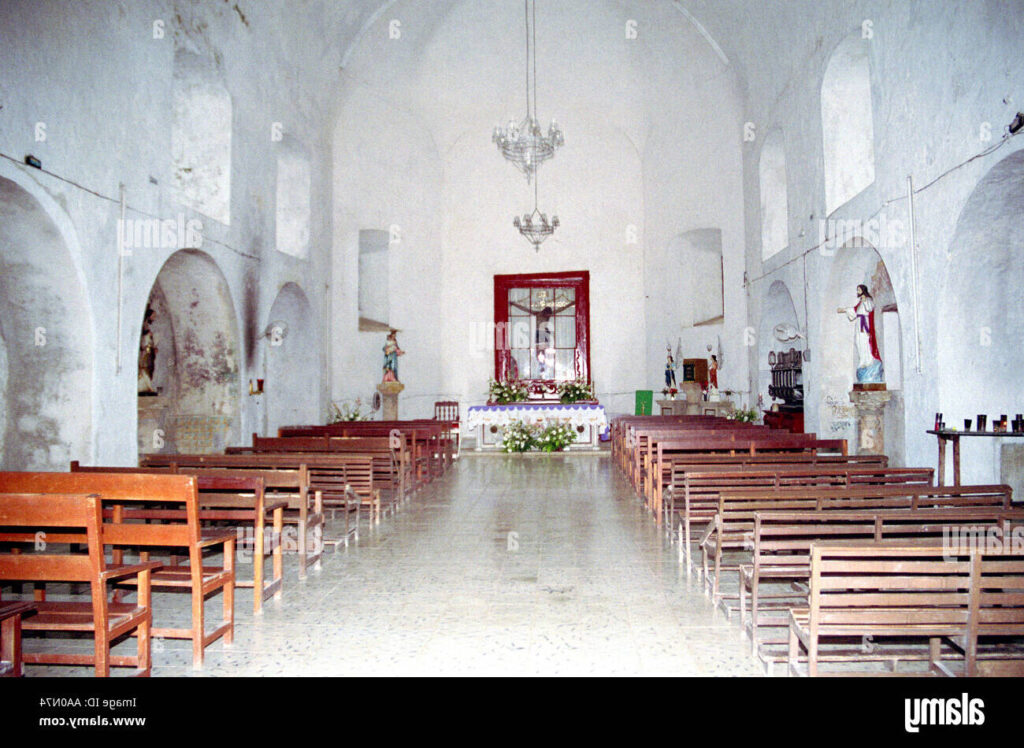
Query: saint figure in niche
[(147, 355), (862, 314), (391, 354)]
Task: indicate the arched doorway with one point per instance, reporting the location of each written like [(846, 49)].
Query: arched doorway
[(857, 262), (45, 341), (777, 311), (292, 386), (979, 352), (194, 330)]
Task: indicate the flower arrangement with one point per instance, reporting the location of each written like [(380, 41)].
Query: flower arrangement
[(518, 437), (512, 391), (575, 391), (745, 416), (348, 412), (669, 391), (556, 437)]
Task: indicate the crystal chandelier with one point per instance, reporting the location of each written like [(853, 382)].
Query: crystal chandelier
[(535, 226), (525, 144)]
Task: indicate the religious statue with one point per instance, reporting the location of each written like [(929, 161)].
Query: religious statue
[(544, 335), (147, 356), (391, 354), (862, 314), (670, 370), (713, 372)]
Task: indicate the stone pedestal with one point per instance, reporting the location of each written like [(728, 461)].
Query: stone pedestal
[(152, 425), (389, 399), (870, 407)]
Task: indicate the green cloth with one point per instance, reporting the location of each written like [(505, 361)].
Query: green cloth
[(644, 402)]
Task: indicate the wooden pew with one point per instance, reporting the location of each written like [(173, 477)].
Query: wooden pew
[(429, 440), (734, 519), (920, 591), (11, 614), (781, 543), (776, 445), (76, 519), (695, 488), (236, 498), (287, 475), (392, 459), (119, 491)]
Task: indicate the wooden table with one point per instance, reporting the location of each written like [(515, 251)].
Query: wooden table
[(954, 436)]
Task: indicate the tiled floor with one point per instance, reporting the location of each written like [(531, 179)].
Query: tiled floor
[(505, 566)]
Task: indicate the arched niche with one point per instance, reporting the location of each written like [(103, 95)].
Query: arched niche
[(777, 308), (857, 262), (774, 196), (196, 374), (847, 122), (292, 386), (46, 330), (979, 347)]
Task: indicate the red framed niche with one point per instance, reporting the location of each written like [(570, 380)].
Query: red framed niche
[(568, 360)]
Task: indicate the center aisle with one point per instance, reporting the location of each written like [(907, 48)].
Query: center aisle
[(506, 566)]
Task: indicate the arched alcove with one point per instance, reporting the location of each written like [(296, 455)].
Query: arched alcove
[(292, 362), (774, 195), (195, 332), (201, 137), (777, 308), (857, 262), (979, 352), (46, 331), (847, 122)]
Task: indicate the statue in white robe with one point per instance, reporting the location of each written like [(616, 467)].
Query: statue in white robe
[(862, 314)]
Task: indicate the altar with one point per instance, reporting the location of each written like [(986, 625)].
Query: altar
[(589, 419)]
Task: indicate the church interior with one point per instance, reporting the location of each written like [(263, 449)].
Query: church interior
[(478, 337)]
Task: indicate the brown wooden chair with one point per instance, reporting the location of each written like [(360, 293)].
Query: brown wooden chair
[(123, 493), (448, 412), (74, 519)]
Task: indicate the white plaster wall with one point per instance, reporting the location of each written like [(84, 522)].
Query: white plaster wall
[(93, 75), (940, 73)]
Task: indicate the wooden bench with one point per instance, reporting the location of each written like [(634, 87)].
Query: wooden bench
[(429, 442), (734, 519), (392, 459), (74, 519), (121, 491), (659, 466), (240, 500), (920, 591), (693, 495), (287, 476), (10, 636), (781, 543)]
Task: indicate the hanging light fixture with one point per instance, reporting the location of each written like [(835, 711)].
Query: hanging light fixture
[(535, 226), (525, 144)]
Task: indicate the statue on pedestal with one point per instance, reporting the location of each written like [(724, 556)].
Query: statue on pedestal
[(670, 371), (862, 314), (391, 354)]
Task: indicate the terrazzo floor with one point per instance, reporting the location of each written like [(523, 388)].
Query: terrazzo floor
[(505, 566)]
